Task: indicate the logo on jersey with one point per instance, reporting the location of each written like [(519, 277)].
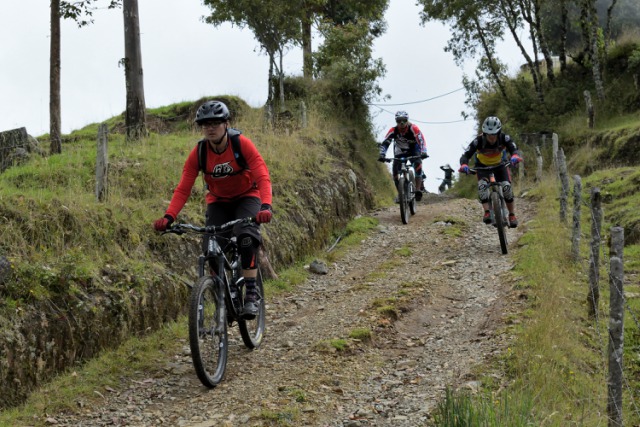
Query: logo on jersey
[(222, 170)]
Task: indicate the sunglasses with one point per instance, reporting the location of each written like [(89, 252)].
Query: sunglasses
[(401, 122), (211, 124)]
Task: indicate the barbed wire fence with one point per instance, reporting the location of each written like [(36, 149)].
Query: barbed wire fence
[(612, 359)]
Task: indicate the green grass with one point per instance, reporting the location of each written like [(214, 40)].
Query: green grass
[(464, 409), (82, 386), (556, 367)]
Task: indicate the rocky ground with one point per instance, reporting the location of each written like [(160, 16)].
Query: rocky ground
[(436, 293)]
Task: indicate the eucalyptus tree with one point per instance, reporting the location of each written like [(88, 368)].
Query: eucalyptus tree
[(135, 113), (476, 27), (346, 67), (514, 21), (82, 13), (344, 62), (276, 25)]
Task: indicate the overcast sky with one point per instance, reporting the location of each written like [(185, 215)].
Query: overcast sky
[(184, 59)]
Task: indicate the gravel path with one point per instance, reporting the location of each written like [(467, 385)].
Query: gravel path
[(436, 302)]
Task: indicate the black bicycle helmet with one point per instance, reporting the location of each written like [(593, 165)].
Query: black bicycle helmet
[(491, 125), (212, 110)]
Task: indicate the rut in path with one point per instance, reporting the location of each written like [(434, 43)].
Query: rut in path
[(434, 293)]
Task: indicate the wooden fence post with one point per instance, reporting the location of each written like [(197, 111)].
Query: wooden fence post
[(538, 164), (577, 202), (303, 109), (554, 150), (564, 180), (594, 258), (590, 113), (102, 164), (616, 328)]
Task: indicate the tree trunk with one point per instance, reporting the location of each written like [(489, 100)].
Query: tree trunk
[(54, 81), (511, 19), (489, 55), (607, 31), (544, 47), (135, 116), (307, 59), (564, 19), (281, 82), (595, 52)]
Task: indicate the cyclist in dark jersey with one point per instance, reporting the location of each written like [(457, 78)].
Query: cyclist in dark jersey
[(448, 178), (489, 148), (234, 191), (409, 141)]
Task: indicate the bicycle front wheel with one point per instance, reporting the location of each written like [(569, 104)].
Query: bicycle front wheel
[(404, 203), (500, 220), (411, 194), (252, 330), (208, 330)]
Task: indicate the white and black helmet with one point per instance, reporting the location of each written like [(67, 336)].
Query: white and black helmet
[(212, 110), (402, 115), (491, 125)]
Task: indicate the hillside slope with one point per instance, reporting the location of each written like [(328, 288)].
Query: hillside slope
[(436, 293)]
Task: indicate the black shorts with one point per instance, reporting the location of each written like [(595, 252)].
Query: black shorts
[(219, 213)]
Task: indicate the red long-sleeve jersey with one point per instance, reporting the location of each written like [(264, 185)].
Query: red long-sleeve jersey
[(226, 179)]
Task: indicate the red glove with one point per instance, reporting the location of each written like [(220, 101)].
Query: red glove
[(515, 159), (265, 214), (464, 169), (163, 223)]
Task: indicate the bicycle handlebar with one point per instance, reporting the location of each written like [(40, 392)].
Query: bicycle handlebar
[(403, 159), (181, 228), (473, 171)]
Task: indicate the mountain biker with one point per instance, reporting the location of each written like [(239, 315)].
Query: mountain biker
[(489, 148), (448, 178), (409, 141), (233, 191)]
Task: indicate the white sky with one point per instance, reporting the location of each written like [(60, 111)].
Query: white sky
[(184, 59)]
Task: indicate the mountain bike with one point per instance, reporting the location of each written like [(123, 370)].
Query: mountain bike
[(217, 299), (497, 205), (406, 186)]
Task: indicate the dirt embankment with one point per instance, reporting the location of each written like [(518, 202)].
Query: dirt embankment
[(436, 302)]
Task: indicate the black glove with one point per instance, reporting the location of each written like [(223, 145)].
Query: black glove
[(382, 159), (423, 155)]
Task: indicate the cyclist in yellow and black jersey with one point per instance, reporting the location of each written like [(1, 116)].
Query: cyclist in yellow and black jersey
[(490, 148)]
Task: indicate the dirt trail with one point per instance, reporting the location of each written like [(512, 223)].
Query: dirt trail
[(452, 298)]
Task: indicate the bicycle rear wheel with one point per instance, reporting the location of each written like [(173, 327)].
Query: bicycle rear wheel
[(500, 220), (208, 330), (252, 330), (404, 203)]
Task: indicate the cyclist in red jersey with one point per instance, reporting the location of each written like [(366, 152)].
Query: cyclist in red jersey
[(235, 189), (409, 141), (489, 149)]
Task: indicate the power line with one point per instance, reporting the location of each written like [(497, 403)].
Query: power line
[(421, 121), (418, 102)]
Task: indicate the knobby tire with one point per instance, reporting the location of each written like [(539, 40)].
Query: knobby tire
[(500, 221), (404, 203), (252, 330), (412, 197), (208, 330)]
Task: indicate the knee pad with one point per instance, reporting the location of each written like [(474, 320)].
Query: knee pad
[(247, 247), (507, 191), (483, 191)]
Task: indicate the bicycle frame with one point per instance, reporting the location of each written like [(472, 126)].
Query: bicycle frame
[(217, 300), (497, 203), (406, 186)]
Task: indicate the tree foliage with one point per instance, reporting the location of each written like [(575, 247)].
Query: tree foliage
[(82, 11), (346, 67)]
